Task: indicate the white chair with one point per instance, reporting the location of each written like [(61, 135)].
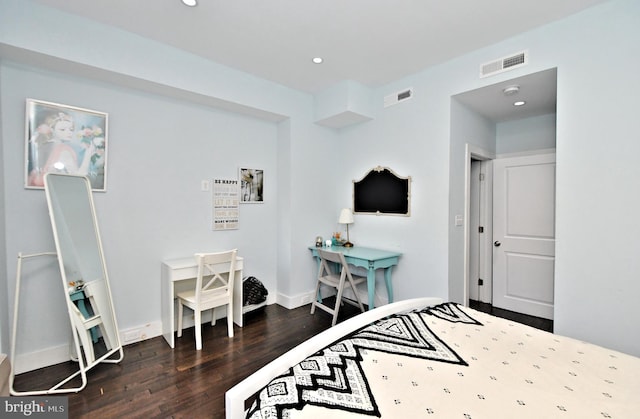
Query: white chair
[(337, 281), (214, 288)]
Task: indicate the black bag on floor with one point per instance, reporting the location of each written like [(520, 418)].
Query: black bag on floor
[(253, 291)]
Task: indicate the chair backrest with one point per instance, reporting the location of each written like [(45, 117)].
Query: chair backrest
[(212, 279), (327, 256)]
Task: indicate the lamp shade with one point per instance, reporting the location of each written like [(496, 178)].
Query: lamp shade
[(346, 216)]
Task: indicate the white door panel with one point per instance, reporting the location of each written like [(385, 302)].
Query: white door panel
[(530, 195), (524, 234), (530, 277)]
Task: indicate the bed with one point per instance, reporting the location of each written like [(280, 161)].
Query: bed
[(433, 359)]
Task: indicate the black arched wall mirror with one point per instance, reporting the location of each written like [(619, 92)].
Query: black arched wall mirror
[(382, 192)]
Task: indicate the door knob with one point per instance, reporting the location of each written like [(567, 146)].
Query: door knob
[(497, 243)]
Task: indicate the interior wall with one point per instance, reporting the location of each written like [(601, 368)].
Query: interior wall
[(4, 297), (425, 138), (581, 47), (521, 135), (467, 128), (159, 150), (418, 138), (597, 248), (182, 135)]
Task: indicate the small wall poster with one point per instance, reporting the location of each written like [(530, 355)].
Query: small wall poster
[(251, 186), (226, 201)]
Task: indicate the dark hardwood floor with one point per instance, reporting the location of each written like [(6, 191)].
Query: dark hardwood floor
[(155, 381), (537, 322)]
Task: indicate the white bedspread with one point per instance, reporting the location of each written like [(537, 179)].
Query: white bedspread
[(455, 362)]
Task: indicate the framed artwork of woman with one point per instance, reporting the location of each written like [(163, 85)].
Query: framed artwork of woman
[(65, 139)]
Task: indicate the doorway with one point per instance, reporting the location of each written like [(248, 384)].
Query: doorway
[(479, 249), (511, 232)]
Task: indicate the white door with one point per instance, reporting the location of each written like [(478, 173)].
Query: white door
[(524, 234)]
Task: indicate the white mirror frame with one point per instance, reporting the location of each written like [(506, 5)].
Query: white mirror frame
[(97, 290)]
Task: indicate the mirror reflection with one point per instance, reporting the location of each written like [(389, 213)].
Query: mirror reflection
[(82, 268)]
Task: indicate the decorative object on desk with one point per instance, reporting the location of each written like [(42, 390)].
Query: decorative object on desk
[(346, 217), (226, 204), (328, 243), (65, 139), (318, 241), (251, 186), (382, 192)]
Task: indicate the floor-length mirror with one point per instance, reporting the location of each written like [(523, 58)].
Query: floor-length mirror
[(84, 276)]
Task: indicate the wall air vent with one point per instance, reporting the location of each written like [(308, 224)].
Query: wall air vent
[(504, 64), (395, 98)]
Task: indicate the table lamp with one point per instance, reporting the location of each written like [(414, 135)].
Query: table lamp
[(346, 217)]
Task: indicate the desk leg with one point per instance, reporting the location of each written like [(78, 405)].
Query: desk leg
[(167, 297), (319, 296), (371, 286), (387, 280), (237, 299)]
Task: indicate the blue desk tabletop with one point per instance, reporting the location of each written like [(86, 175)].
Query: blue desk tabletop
[(359, 252)]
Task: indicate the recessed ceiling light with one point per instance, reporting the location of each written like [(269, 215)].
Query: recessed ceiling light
[(190, 3), (519, 103), (317, 60)]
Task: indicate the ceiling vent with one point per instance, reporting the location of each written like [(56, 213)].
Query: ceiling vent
[(504, 64), (395, 98)]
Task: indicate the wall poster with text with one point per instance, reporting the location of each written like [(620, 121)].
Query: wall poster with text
[(226, 201)]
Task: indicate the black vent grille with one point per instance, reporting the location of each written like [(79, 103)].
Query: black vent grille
[(512, 61)]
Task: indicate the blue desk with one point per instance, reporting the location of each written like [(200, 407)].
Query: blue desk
[(370, 259)]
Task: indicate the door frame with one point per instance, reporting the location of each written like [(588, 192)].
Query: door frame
[(471, 152)]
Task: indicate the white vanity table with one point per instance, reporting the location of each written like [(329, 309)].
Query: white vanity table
[(180, 275)]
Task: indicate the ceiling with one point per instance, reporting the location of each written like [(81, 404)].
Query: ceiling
[(372, 42), (538, 90)]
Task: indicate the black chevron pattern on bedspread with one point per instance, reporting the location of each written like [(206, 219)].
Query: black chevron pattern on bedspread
[(333, 377)]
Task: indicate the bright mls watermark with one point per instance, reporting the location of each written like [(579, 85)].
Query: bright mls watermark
[(34, 407)]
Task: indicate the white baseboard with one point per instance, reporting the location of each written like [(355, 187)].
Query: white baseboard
[(291, 302), (140, 333), (42, 358), (57, 354)]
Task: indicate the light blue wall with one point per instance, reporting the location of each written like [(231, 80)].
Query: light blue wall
[(598, 176), (313, 167), (159, 151), (175, 119), (535, 133), (467, 127), (596, 148), (4, 298)]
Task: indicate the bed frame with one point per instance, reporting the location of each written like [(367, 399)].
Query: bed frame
[(236, 396)]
